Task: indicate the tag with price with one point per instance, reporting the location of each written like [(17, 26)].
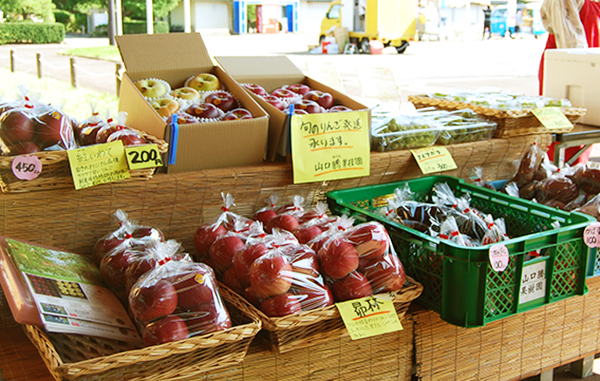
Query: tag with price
[(552, 118), (499, 257), (26, 167), (433, 159), (591, 235), (144, 156)]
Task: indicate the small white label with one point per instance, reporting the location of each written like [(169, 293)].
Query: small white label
[(533, 282), (591, 235), (499, 257)]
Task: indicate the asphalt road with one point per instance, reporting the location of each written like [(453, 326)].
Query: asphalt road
[(504, 63)]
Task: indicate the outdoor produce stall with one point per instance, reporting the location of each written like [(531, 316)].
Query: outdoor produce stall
[(225, 263)]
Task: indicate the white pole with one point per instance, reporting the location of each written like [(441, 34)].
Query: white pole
[(119, 17), (187, 17), (149, 17)]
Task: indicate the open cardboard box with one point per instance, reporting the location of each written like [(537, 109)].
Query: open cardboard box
[(271, 73), (174, 58)]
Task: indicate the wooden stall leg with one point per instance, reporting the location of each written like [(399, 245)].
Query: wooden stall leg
[(583, 368), (547, 375)]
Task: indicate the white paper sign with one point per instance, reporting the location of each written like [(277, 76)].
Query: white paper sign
[(533, 282), (498, 257)]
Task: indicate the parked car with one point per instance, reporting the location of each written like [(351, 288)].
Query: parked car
[(532, 20)]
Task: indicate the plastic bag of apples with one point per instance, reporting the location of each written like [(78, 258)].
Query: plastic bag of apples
[(176, 299)]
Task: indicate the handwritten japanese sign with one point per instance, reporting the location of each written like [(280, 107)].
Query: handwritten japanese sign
[(551, 118), (143, 156), (98, 164), (330, 146), (533, 282), (433, 159), (591, 235), (371, 316)]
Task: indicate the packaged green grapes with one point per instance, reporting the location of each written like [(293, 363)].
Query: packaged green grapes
[(403, 132), (461, 126)]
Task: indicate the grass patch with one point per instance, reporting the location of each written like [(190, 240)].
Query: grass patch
[(77, 103), (109, 53)]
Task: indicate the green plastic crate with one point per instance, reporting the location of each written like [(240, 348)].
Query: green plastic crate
[(458, 281)]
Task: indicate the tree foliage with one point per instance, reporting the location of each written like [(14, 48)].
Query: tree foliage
[(135, 9), (17, 10)]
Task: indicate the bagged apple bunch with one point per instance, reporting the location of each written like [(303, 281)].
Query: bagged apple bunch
[(279, 275), (304, 99), (29, 126), (177, 299), (358, 261), (98, 130)]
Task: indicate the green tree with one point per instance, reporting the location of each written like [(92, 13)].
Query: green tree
[(136, 9), (17, 10)]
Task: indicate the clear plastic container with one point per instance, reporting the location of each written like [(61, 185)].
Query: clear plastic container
[(403, 132), (461, 126)]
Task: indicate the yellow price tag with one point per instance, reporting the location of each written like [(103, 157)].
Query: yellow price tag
[(433, 159), (371, 316), (143, 156), (330, 146), (98, 164), (552, 118)]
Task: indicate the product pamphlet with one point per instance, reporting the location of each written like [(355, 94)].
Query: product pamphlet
[(70, 294)]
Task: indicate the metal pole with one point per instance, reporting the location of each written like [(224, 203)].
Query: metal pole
[(111, 23), (118, 76), (38, 61), (149, 17), (12, 61), (73, 76)]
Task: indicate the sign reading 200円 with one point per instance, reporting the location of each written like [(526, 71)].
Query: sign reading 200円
[(330, 146)]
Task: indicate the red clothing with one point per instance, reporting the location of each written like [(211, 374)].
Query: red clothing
[(590, 18)]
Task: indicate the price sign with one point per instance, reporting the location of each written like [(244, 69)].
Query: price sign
[(433, 159), (26, 167), (498, 257), (330, 146), (98, 164), (591, 235), (143, 156), (371, 316), (552, 118)]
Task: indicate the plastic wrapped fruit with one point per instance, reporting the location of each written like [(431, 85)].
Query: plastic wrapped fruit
[(461, 126), (403, 132), (176, 300)]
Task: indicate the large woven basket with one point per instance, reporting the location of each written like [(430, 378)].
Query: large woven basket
[(56, 172), (510, 122), (283, 334), (182, 360)]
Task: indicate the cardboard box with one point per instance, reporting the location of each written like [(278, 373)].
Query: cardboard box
[(271, 73), (574, 74), (175, 57)]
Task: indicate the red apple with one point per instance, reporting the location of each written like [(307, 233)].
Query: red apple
[(309, 106), (231, 280), (170, 328), (275, 102), (339, 108), (185, 118), (221, 252), (256, 89), (194, 287), (281, 305), (149, 302), (105, 245), (87, 135), (306, 233), (113, 267), (264, 216), (206, 318), (282, 221), (370, 239), (238, 113), (299, 111), (251, 296), (338, 258), (138, 267), (105, 131), (298, 88), (270, 275), (204, 110), (324, 99), (303, 259), (148, 233), (128, 136), (23, 148), (222, 99), (48, 128), (16, 126), (314, 296), (243, 259), (353, 286), (204, 237), (385, 274), (284, 93)]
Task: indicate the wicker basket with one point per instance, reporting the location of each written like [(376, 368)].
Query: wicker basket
[(181, 360), (56, 173), (283, 334), (510, 122)]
